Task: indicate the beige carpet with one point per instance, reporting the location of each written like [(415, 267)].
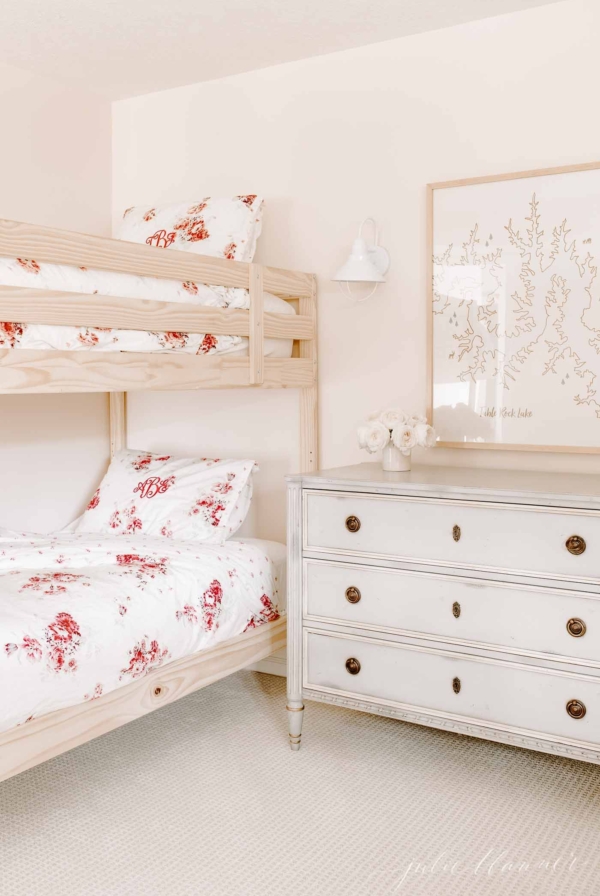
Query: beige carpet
[(204, 797)]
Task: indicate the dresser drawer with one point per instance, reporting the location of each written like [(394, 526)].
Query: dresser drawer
[(542, 541), (517, 617), (447, 682)]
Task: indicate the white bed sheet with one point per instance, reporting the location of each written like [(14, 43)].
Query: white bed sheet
[(277, 553)]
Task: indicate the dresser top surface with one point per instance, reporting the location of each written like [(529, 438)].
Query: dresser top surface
[(520, 486)]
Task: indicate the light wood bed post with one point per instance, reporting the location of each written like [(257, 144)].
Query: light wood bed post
[(256, 349), (117, 421), (309, 408)]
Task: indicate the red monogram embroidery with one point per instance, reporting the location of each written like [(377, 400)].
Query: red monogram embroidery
[(162, 239), (153, 486)]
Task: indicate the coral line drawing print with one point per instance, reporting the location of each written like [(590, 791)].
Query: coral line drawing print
[(516, 312)]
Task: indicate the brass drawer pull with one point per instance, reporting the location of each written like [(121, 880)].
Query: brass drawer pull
[(456, 685), (576, 709), (456, 533), (575, 544), (456, 609), (353, 595), (352, 523), (352, 666), (576, 627)]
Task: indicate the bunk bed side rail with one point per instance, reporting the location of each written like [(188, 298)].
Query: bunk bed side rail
[(23, 371), (52, 246)]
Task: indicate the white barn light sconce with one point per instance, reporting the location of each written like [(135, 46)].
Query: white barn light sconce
[(367, 263)]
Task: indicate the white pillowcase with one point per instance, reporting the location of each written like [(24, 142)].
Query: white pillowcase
[(183, 498), (222, 228)]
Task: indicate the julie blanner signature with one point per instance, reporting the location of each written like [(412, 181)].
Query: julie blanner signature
[(495, 863)]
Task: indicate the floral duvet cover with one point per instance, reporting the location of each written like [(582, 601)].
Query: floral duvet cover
[(82, 615), (25, 272)]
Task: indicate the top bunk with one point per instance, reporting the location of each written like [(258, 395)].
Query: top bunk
[(26, 370)]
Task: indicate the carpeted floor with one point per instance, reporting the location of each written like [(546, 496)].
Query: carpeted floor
[(205, 797)]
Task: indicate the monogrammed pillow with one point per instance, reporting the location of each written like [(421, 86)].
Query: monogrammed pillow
[(223, 228), (185, 498)]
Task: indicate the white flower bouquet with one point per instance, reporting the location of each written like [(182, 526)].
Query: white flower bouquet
[(396, 434)]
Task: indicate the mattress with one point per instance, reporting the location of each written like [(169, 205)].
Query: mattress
[(82, 615), (62, 278)]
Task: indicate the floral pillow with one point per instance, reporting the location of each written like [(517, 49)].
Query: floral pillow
[(183, 498), (222, 228)]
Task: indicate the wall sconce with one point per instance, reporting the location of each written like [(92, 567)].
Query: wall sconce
[(366, 263)]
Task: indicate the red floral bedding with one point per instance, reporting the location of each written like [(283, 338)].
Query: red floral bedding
[(82, 615), (62, 278)]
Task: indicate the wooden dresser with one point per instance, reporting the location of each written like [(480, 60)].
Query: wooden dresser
[(467, 600)]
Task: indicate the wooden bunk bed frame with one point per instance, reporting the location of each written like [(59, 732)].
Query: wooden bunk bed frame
[(33, 371)]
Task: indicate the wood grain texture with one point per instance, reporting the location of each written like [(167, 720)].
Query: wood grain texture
[(54, 733), (295, 705), (257, 334), (117, 421), (429, 305), (39, 306), (506, 446), (45, 244), (23, 371), (514, 175), (309, 398), (288, 284)]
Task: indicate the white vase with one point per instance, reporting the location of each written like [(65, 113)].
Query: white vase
[(393, 461)]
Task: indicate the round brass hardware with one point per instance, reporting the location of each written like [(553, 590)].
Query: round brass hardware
[(456, 685), (456, 533), (157, 691), (353, 595), (353, 666), (456, 609), (575, 544), (576, 627), (576, 709), (352, 523)]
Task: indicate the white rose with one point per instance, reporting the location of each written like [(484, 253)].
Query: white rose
[(392, 418), (404, 437), (373, 436), (425, 434), (419, 418)]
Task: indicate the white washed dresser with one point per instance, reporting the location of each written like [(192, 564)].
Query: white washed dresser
[(467, 600)]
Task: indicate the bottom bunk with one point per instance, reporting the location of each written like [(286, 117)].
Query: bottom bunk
[(98, 630)]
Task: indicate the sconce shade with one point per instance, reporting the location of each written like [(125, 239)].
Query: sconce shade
[(359, 268)]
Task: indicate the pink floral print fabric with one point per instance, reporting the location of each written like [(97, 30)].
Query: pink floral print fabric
[(28, 273), (81, 615), (222, 227), (160, 495)]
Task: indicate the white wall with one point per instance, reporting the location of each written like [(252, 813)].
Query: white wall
[(54, 169), (329, 141)]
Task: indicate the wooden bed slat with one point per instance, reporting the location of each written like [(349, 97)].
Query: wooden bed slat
[(45, 244), (309, 397), (39, 306), (23, 370), (52, 734)]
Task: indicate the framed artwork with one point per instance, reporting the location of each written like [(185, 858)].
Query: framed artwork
[(514, 327)]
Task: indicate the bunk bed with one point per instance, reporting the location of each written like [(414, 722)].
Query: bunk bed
[(25, 371)]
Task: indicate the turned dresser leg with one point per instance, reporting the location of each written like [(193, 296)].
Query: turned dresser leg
[(295, 716)]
